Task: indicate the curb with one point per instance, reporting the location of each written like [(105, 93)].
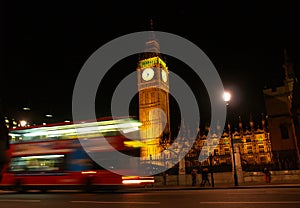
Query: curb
[(177, 188), (213, 188)]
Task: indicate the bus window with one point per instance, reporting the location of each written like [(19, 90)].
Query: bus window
[(36, 163)]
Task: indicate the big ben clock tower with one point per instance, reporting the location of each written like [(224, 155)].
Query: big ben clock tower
[(154, 113)]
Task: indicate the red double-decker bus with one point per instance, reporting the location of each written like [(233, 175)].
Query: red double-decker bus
[(53, 157)]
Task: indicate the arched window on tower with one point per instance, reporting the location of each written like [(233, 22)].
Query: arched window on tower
[(284, 131)]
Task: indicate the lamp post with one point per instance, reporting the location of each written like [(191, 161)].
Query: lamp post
[(27, 117), (227, 97)]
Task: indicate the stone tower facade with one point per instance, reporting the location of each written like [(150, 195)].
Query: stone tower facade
[(153, 89)]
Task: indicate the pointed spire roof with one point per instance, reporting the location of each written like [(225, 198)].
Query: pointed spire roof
[(263, 121), (251, 123), (240, 124), (152, 44), (288, 66)]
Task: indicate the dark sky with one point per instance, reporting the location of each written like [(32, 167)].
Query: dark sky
[(44, 46)]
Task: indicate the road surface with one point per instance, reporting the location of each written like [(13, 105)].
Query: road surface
[(231, 198)]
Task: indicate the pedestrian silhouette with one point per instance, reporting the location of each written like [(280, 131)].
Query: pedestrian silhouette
[(194, 176), (204, 177), (165, 178), (267, 175)]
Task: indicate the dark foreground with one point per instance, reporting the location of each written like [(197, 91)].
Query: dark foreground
[(252, 197)]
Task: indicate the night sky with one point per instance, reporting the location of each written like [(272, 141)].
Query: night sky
[(44, 46)]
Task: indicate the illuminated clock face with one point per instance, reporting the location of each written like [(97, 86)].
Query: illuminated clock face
[(148, 74), (164, 76)]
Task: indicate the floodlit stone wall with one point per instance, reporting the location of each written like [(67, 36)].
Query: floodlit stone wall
[(226, 178)]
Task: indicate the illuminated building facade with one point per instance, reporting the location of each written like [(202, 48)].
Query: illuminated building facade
[(154, 113), (10, 122), (254, 145)]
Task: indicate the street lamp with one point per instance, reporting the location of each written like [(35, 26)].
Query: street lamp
[(23, 123), (227, 97)]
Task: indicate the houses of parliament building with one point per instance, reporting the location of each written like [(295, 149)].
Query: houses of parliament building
[(254, 145)]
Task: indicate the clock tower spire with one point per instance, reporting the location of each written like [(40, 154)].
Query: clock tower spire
[(152, 45), (153, 89)]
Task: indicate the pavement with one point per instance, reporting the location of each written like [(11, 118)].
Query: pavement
[(219, 186)]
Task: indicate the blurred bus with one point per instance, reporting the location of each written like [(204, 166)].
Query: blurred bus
[(52, 156)]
